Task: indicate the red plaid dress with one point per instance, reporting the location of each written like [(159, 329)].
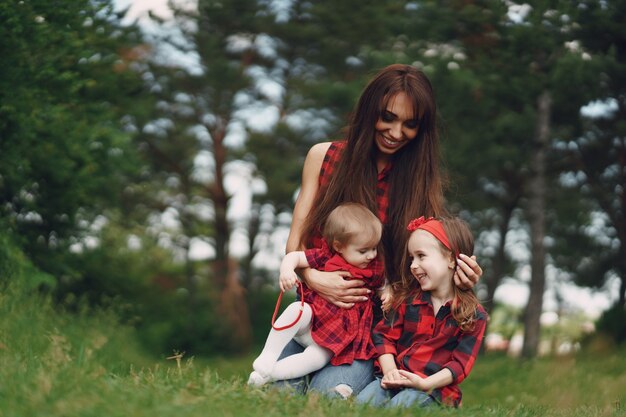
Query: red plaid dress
[(424, 344), (346, 332)]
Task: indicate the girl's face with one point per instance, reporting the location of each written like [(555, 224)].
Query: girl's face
[(432, 268), (396, 126), (358, 252)]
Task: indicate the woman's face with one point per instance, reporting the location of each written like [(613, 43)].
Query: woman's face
[(396, 126)]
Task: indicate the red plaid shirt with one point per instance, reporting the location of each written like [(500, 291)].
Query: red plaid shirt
[(382, 187), (346, 332), (424, 344)]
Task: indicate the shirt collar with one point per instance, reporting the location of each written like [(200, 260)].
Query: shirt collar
[(423, 298), (385, 172)]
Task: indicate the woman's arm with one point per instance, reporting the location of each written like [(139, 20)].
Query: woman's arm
[(330, 285), (306, 196)]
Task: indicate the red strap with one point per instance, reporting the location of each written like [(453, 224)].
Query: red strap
[(280, 297)]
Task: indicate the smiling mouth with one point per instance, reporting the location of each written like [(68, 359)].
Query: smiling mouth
[(419, 277), (391, 143)]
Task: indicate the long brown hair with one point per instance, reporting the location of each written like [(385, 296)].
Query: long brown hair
[(464, 303), (415, 183)]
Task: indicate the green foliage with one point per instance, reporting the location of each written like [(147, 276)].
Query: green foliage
[(505, 320), (612, 323), (13, 263), (596, 157), (46, 353), (65, 82), (585, 384), (261, 305)]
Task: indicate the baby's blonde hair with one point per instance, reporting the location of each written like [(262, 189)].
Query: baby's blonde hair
[(349, 220)]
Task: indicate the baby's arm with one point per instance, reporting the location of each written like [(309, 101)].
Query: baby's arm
[(288, 266)]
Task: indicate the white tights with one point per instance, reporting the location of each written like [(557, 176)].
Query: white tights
[(268, 368)]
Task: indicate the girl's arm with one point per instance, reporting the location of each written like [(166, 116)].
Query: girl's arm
[(330, 285), (466, 351), (385, 336), (457, 368), (391, 373)]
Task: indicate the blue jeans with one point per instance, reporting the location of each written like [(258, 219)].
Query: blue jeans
[(355, 376), (377, 396)]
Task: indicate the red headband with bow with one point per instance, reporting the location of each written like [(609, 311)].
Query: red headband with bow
[(432, 226)]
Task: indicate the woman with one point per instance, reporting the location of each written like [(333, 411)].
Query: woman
[(389, 162)]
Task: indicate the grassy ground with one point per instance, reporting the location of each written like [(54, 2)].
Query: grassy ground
[(55, 364)]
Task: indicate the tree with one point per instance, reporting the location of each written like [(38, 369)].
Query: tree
[(65, 84), (515, 65), (199, 112), (598, 155)]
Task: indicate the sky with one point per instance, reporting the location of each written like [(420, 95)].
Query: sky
[(511, 291), (139, 8)]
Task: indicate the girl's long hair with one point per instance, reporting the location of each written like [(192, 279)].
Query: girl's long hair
[(464, 302), (415, 181)]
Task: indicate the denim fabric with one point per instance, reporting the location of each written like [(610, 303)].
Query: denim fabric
[(356, 376), (377, 396)]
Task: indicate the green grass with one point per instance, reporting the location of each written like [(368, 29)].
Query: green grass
[(58, 364)]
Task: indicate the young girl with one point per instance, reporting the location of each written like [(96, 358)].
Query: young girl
[(351, 237), (428, 345)]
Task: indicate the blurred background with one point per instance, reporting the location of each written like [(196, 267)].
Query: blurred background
[(151, 151)]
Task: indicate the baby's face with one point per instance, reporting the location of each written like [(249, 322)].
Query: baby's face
[(359, 252)]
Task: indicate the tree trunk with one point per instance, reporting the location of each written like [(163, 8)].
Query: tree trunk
[(254, 227), (493, 279), (620, 215), (232, 301), (622, 288), (234, 308), (536, 214)]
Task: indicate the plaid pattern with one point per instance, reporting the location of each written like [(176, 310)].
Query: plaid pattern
[(346, 332), (382, 188), (424, 344)]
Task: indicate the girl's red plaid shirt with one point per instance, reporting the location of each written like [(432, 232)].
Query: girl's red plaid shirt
[(424, 344)]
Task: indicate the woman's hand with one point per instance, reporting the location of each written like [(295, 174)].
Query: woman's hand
[(335, 289), (386, 298), (467, 273)]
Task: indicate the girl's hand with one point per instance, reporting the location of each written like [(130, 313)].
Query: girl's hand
[(393, 379), (467, 273), (288, 280), (406, 379), (335, 289)]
